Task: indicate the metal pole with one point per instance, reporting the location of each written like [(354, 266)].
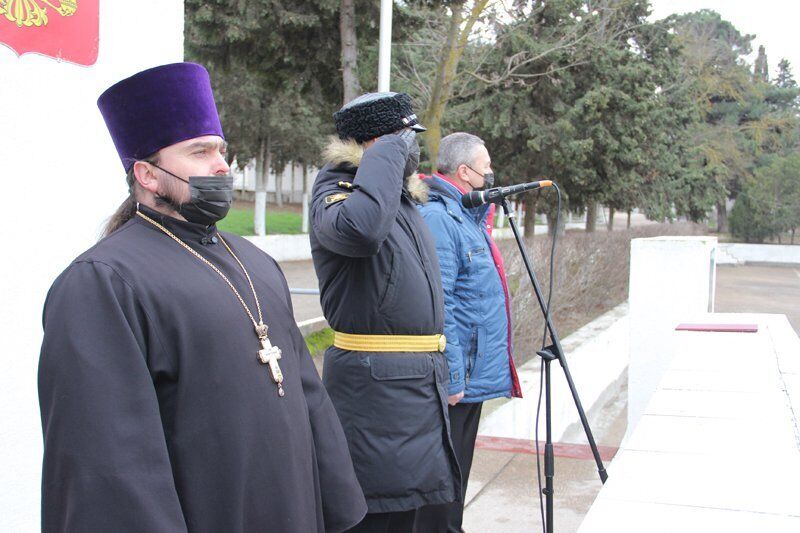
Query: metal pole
[(385, 50), (311, 292), (549, 461), (554, 351)]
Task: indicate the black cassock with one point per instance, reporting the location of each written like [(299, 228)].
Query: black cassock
[(157, 415)]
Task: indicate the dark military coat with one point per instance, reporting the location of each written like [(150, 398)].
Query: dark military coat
[(378, 274)]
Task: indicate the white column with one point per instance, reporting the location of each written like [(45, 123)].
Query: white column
[(260, 216)]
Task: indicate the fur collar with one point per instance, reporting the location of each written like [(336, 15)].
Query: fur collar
[(349, 152), (417, 188), (339, 152)]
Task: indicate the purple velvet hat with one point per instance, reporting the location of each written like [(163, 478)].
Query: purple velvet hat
[(157, 108)]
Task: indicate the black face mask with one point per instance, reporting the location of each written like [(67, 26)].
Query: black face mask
[(212, 197), (412, 161), (488, 179)]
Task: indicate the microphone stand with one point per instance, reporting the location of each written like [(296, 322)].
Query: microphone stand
[(549, 354)]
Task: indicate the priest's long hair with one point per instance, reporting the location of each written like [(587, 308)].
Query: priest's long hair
[(127, 209)]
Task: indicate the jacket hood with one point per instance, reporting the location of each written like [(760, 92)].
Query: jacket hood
[(348, 152)]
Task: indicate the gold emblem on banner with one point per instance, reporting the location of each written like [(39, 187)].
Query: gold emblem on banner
[(34, 12)]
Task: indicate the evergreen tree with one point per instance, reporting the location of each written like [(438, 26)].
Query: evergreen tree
[(785, 79), (760, 68), (718, 82), (586, 97), (274, 68), (770, 202)]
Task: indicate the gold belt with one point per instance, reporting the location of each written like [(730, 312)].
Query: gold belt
[(389, 343)]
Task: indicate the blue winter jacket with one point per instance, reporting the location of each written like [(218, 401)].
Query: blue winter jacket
[(476, 321)]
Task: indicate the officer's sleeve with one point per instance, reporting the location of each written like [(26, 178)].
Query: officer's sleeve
[(448, 249), (358, 225), (106, 465)]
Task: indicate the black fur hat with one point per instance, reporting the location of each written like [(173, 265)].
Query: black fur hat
[(374, 114)]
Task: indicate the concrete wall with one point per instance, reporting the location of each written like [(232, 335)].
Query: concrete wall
[(284, 247), (671, 278), (739, 253), (597, 355), (62, 179)]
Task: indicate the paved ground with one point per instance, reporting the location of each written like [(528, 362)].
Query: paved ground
[(502, 495), (301, 275), (502, 492), (759, 289)]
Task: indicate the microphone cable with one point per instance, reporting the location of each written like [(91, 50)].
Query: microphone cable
[(541, 364)]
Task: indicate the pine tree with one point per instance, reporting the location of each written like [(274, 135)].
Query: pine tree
[(785, 80), (760, 68)]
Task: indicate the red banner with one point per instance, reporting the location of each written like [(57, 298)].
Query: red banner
[(67, 30)]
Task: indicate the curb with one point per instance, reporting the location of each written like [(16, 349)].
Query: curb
[(312, 325)]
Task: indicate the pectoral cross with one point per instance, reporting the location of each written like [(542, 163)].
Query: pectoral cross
[(269, 355)]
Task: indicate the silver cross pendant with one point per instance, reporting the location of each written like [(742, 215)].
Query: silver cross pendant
[(269, 355)]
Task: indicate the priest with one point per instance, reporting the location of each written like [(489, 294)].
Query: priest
[(176, 392)]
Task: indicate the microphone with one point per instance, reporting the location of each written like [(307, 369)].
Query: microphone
[(496, 195)]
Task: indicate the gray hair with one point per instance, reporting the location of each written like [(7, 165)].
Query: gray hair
[(457, 149)]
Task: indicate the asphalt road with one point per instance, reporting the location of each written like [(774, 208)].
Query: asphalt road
[(301, 275), (759, 289)]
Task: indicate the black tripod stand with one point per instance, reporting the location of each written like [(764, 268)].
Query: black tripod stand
[(549, 354)]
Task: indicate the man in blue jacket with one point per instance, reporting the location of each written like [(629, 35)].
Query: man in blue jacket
[(477, 318)]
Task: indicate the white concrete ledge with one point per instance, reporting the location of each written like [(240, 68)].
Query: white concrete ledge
[(500, 234), (718, 446), (284, 247), (597, 355), (312, 325), (776, 254)]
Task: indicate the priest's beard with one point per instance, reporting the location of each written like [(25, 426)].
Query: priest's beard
[(168, 194)]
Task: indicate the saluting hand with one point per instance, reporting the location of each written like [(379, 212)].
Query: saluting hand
[(409, 136)]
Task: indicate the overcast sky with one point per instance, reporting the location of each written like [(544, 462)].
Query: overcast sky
[(775, 23)]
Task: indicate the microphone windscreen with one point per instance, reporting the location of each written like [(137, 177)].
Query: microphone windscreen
[(472, 199)]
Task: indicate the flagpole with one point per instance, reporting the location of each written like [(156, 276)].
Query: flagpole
[(385, 46)]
